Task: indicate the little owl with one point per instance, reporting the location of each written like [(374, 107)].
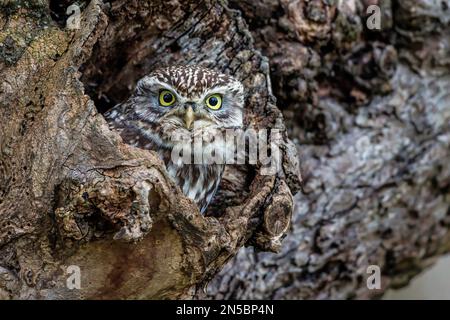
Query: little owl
[(187, 99)]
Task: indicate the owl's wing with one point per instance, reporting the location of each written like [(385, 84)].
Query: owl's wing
[(122, 122)]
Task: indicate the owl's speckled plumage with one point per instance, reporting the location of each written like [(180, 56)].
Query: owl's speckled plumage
[(143, 122)]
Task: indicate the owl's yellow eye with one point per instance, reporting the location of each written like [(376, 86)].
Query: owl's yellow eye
[(166, 98), (214, 101)]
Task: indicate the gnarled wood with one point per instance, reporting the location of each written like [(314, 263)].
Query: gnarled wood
[(73, 194), (369, 111)]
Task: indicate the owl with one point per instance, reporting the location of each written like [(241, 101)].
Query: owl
[(190, 100)]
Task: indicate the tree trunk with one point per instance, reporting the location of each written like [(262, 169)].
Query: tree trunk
[(369, 111), (73, 197)]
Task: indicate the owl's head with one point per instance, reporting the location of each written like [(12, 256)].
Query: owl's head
[(189, 98)]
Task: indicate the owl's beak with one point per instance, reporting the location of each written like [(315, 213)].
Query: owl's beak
[(189, 117)]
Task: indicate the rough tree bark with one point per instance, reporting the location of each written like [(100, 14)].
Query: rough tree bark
[(71, 193), (369, 111)]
